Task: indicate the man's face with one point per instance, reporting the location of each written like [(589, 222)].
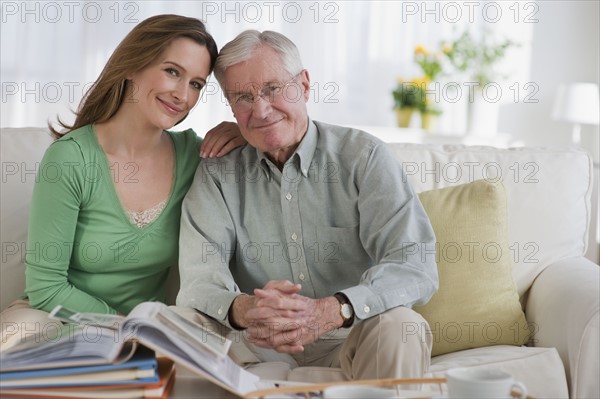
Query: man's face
[(268, 103)]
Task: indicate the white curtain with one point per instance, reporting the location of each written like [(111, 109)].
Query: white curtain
[(354, 50)]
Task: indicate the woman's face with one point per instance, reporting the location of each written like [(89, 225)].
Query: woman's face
[(165, 91)]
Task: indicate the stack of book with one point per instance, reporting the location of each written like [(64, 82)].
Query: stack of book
[(140, 376)]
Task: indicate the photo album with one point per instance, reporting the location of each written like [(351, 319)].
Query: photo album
[(110, 344)]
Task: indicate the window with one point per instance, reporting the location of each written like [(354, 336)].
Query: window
[(354, 50)]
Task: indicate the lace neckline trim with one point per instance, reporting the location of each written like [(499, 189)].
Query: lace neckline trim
[(144, 218)]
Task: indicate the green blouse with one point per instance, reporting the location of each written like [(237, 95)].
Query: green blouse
[(82, 251)]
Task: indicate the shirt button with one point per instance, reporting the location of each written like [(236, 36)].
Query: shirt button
[(288, 196), (301, 276), (220, 311), (367, 309), (294, 236)]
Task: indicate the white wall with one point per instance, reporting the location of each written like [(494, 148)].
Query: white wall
[(354, 50), (565, 49)]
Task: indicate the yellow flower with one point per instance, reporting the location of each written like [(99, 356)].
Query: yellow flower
[(420, 50), (447, 48), (421, 81)]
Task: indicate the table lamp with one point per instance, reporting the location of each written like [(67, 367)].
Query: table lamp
[(577, 103)]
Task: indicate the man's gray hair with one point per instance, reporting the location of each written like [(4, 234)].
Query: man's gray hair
[(246, 43)]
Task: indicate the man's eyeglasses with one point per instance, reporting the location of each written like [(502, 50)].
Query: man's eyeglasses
[(242, 102)]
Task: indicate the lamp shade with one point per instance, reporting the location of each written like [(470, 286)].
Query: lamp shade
[(577, 103)]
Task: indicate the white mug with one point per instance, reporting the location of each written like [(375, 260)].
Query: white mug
[(357, 392), (482, 383)]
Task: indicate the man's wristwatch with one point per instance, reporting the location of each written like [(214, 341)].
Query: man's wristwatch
[(346, 310)]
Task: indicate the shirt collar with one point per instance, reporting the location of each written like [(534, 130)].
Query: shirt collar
[(304, 152)]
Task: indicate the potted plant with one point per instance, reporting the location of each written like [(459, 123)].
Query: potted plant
[(411, 95), (429, 115), (475, 60), (408, 97)]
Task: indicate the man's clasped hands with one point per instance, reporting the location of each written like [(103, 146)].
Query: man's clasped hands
[(277, 317)]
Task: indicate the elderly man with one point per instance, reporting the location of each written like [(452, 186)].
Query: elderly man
[(309, 238)]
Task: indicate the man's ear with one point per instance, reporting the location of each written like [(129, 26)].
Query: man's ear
[(305, 82)]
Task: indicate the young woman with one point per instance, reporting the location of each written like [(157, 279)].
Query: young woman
[(104, 220)]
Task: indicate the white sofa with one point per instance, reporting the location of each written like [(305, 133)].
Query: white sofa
[(549, 211)]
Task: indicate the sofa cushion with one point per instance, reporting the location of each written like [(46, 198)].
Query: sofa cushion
[(477, 303), (540, 369), (548, 195)]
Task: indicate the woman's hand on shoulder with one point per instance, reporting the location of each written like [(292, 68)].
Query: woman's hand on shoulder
[(221, 139)]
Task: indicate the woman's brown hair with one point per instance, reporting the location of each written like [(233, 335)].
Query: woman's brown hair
[(139, 48)]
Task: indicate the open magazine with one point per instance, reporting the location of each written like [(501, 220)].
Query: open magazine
[(102, 339)]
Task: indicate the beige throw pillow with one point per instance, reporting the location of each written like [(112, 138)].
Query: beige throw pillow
[(477, 303)]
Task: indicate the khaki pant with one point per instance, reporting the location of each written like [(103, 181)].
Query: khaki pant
[(20, 321), (393, 344)]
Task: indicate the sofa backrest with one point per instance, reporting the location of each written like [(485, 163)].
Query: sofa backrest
[(549, 193), (21, 149)]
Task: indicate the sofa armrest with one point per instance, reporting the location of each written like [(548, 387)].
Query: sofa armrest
[(563, 307)]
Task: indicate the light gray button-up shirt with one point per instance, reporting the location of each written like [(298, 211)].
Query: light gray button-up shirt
[(339, 217)]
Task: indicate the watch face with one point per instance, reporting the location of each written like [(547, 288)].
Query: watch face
[(346, 311)]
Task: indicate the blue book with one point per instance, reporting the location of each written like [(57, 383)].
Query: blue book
[(141, 368)]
